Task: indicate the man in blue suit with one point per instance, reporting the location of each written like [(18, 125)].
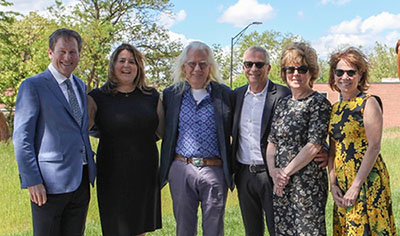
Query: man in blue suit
[(51, 141)]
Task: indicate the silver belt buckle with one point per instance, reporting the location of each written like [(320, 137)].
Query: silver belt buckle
[(199, 162), (252, 168)]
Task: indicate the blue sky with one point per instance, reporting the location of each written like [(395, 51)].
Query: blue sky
[(326, 24)]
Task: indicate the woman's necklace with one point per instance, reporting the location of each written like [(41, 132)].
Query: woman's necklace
[(126, 94)]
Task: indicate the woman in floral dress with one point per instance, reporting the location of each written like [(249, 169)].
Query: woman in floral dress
[(298, 131), (358, 176)]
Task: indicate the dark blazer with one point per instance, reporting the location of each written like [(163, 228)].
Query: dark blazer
[(49, 144), (223, 108), (275, 92)]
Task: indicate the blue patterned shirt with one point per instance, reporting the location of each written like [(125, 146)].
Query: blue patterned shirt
[(197, 129)]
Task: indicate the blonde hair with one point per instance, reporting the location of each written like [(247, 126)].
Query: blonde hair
[(302, 54)]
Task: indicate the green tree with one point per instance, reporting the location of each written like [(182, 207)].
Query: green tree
[(23, 53), (323, 71), (103, 24), (383, 63), (160, 53), (274, 42)]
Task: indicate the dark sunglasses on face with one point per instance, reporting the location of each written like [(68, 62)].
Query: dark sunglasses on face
[(249, 64), (350, 73), (300, 69)]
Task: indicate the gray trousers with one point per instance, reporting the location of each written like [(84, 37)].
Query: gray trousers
[(191, 185)]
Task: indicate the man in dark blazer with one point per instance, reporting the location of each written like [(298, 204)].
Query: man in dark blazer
[(254, 109), (51, 141), (196, 149)]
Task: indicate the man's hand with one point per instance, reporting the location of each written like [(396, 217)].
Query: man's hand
[(38, 194), (322, 157)]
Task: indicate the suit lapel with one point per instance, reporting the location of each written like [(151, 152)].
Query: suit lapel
[(175, 105), (56, 90), (238, 108), (267, 112), (216, 95)]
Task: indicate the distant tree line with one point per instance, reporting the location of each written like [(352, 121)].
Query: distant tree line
[(104, 24)]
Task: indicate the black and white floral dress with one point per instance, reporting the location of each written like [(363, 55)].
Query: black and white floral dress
[(301, 209)]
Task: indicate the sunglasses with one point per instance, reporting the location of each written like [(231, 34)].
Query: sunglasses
[(193, 64), (291, 69), (350, 73), (249, 64)]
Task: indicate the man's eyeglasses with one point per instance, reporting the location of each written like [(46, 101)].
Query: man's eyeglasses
[(193, 64), (291, 69), (350, 73), (249, 64)]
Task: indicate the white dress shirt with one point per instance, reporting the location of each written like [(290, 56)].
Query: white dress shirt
[(249, 150), (60, 80)]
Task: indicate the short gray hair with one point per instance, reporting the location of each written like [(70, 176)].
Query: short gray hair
[(258, 49)]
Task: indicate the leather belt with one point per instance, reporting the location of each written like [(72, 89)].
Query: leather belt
[(255, 168), (199, 162)]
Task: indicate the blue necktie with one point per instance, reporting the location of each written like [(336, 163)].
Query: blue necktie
[(73, 102)]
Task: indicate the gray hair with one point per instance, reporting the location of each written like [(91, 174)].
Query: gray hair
[(258, 49), (178, 74)]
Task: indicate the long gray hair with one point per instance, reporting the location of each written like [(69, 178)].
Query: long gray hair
[(178, 74)]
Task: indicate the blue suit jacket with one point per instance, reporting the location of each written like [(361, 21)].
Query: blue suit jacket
[(49, 144), (223, 108)]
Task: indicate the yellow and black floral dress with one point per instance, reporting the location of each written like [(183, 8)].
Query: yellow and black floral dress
[(372, 213)]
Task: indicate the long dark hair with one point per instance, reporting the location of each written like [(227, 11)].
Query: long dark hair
[(139, 82)]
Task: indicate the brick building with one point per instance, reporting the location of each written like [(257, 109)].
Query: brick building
[(388, 92)]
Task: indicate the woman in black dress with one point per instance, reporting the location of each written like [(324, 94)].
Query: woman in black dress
[(298, 131), (128, 116)]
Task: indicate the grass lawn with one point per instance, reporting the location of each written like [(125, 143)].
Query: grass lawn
[(15, 214)]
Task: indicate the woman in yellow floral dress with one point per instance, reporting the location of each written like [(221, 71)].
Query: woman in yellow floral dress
[(358, 176)]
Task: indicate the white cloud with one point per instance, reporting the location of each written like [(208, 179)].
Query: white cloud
[(246, 11), (177, 37), (26, 6), (335, 2), (382, 28), (300, 14), (347, 27), (168, 19), (381, 22), (180, 37)]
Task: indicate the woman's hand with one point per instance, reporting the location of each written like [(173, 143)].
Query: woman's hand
[(337, 195), (278, 191), (350, 198), (280, 179)]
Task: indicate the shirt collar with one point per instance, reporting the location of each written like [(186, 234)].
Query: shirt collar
[(60, 78), (262, 93), (208, 88)]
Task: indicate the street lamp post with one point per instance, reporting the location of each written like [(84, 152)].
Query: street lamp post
[(233, 42)]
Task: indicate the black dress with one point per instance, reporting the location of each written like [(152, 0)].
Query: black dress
[(128, 187), (301, 209)]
